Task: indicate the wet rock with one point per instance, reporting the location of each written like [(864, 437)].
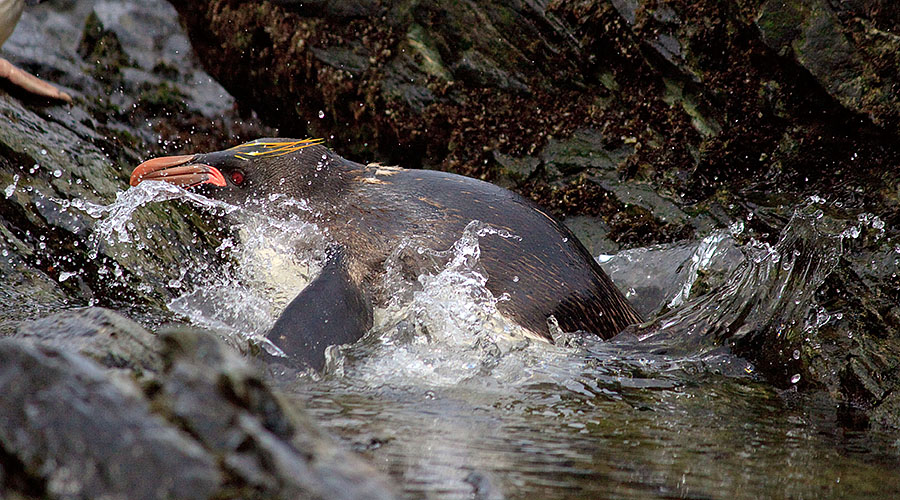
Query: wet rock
[(407, 86), (48, 166), (627, 9), (270, 448), (27, 291), (121, 60), (201, 423), (846, 51), (349, 8), (593, 232), (74, 433), (888, 412), (517, 168), (342, 58), (100, 334), (476, 69), (584, 150)]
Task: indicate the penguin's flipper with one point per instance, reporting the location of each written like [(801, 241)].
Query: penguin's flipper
[(331, 310)]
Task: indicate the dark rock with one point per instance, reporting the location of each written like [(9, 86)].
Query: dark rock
[(856, 62), (80, 434), (271, 449), (517, 168), (584, 150), (100, 334), (593, 232), (347, 8), (888, 412), (476, 69), (407, 87), (627, 9), (200, 398), (342, 58)]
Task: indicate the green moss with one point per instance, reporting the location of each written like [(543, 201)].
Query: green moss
[(166, 70), (674, 96), (423, 47), (103, 49), (779, 22), (608, 80), (162, 98)]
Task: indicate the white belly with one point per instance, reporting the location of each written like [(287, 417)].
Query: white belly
[(10, 11)]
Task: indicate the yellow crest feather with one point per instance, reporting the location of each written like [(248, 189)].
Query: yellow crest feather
[(272, 148)]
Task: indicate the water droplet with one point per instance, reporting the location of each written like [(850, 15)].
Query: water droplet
[(796, 353), (43, 151), (57, 173), (795, 378), (12, 189), (515, 279), (321, 114)]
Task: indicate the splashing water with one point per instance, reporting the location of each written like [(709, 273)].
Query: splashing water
[(270, 261), (662, 277), (456, 297), (442, 326), (266, 262), (766, 305), (115, 223)]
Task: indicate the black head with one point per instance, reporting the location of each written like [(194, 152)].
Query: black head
[(251, 172)]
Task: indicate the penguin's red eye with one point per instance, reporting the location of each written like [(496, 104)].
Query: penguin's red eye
[(237, 178)]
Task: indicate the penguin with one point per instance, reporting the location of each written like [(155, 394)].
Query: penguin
[(366, 211)]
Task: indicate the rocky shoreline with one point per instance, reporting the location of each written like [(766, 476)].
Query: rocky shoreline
[(644, 122)]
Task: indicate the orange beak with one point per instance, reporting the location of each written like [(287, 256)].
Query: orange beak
[(177, 170)]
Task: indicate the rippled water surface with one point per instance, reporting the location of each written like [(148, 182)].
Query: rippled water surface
[(443, 395), (710, 438)]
